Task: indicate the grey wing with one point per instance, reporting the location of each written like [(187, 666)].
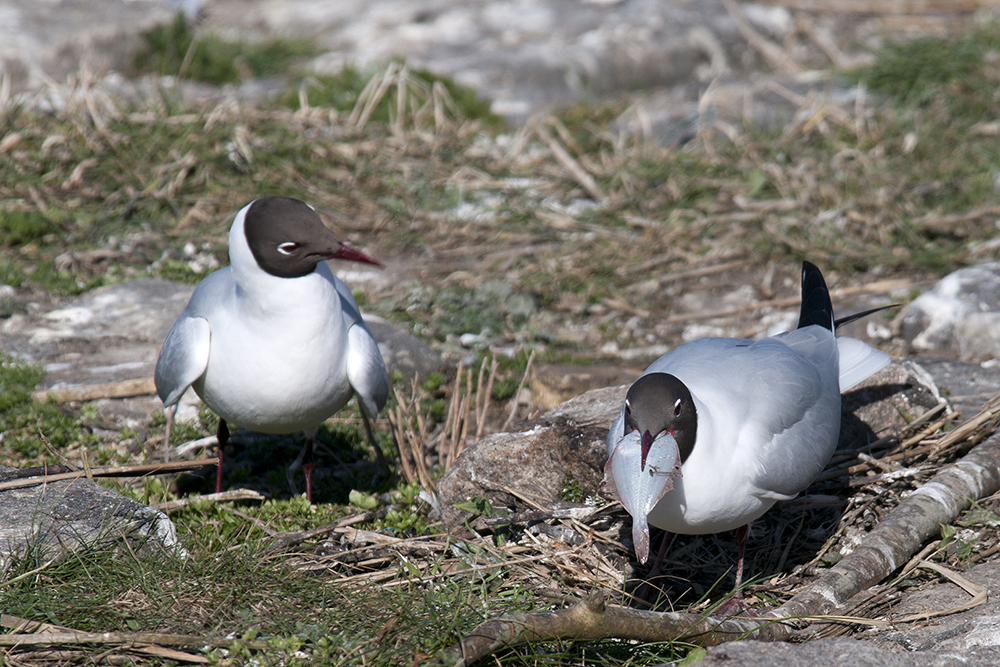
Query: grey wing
[(797, 414), (183, 357), (616, 432), (365, 368)]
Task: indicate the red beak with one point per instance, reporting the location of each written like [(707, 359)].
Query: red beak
[(647, 443), (347, 253)]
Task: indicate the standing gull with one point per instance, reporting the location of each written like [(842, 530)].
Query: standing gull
[(275, 342)]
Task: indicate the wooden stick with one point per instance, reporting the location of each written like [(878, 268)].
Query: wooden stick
[(124, 638), (222, 497), (91, 392), (120, 471)]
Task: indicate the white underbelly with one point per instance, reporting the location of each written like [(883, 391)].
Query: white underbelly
[(707, 508), (275, 385)]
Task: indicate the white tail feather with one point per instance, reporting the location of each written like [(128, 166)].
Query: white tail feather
[(858, 360)]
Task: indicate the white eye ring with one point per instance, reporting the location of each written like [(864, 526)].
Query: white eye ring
[(628, 408), (288, 247)]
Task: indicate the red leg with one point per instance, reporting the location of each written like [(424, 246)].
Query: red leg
[(735, 604), (741, 547), (223, 438)]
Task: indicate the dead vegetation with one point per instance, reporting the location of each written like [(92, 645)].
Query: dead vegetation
[(561, 238)]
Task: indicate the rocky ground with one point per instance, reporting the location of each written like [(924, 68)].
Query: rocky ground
[(526, 57)]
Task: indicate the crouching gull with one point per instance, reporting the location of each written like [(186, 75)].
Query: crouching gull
[(275, 342), (717, 430)]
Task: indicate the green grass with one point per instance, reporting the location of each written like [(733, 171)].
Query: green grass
[(961, 72), (175, 49), (226, 586), (24, 422)]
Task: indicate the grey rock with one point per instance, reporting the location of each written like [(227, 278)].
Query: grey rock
[(563, 445), (885, 402), (962, 632), (44, 41), (402, 351), (111, 333), (65, 516), (837, 651), (960, 315), (598, 406), (966, 386)]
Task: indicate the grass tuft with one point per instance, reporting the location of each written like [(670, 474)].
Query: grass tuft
[(177, 50)]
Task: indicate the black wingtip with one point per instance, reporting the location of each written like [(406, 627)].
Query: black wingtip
[(816, 305), (847, 319)]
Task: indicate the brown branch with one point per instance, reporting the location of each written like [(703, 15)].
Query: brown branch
[(592, 619), (119, 471)]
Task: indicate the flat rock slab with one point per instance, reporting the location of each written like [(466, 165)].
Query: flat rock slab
[(971, 637), (966, 386), (963, 631), (839, 651), (69, 515)]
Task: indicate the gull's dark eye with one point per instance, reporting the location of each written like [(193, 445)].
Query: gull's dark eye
[(677, 408), (288, 247), (628, 408)]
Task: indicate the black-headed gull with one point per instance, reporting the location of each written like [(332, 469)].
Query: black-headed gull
[(275, 342), (717, 430)]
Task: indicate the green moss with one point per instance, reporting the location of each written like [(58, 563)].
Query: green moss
[(213, 59)]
